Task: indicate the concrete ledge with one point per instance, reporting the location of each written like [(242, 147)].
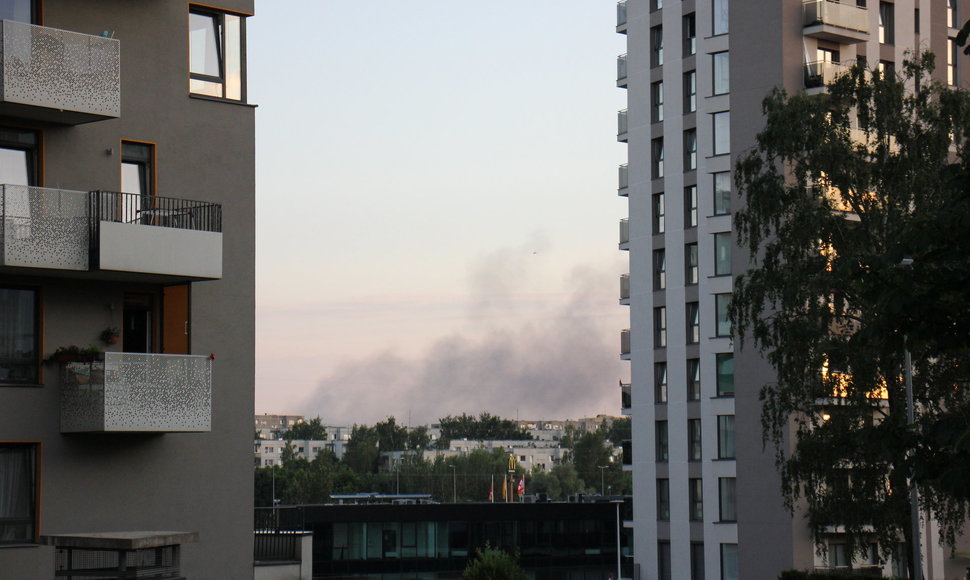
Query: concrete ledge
[(119, 540)]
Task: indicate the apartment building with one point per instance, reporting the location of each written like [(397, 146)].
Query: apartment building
[(708, 501), (126, 288)]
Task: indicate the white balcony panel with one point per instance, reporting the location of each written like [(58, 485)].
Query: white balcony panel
[(137, 393), (160, 250), (58, 76), (43, 228), (836, 21)]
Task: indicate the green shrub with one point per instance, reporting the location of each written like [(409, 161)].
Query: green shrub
[(493, 564)]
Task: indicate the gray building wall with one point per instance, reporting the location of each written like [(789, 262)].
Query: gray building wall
[(199, 482)]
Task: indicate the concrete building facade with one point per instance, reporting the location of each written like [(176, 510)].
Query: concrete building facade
[(126, 226), (707, 494)]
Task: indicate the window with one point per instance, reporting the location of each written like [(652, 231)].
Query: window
[(691, 269), (952, 52), (722, 132), (657, 148), (696, 492), (887, 68), (726, 492), (663, 499), (137, 161), (721, 12), (217, 54), (722, 193), (951, 14), (696, 561), (690, 150), (19, 163), (836, 556), (694, 439), (656, 5), (729, 562), (690, 91), (722, 254), (660, 327), (663, 560), (725, 374), (690, 203), (657, 46), (916, 20), (659, 269), (690, 34), (886, 23), (19, 338), (693, 323), (657, 101), (660, 383), (722, 314), (693, 379), (722, 73), (20, 11), (663, 443), (658, 213), (725, 436), (18, 493)]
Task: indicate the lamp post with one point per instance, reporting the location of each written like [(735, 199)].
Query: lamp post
[(454, 484), (602, 469), (619, 568)]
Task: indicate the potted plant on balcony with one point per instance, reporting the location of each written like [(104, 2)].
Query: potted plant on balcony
[(110, 335), (73, 353), (79, 366)]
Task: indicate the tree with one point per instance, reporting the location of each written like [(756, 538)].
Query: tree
[(485, 427), (840, 189), (307, 430), (361, 451), (493, 564)]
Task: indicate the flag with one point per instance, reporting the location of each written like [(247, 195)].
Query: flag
[(522, 486), (491, 491), (504, 487)]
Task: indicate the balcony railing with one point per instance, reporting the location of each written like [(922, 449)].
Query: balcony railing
[(836, 21), (621, 125), (624, 288), (58, 76), (823, 72), (626, 396), (621, 71), (624, 234), (627, 452), (76, 230), (621, 16), (625, 344), (135, 392), (623, 180)]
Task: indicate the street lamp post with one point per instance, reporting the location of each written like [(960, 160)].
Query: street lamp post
[(454, 484), (602, 469)]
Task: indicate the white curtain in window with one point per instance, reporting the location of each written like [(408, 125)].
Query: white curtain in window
[(16, 490)]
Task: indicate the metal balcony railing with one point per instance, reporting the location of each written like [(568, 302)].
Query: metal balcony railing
[(621, 125), (58, 76), (154, 210), (823, 72), (624, 232), (43, 228), (621, 16), (625, 342), (625, 288), (626, 395), (623, 178), (621, 71), (137, 392)]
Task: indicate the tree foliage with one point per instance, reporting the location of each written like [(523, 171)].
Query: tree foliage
[(493, 564), (307, 430), (486, 427), (840, 189)]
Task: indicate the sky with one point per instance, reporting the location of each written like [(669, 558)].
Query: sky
[(436, 208)]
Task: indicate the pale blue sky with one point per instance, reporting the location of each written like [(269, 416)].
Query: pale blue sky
[(437, 209)]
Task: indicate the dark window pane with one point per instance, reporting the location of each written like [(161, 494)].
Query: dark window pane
[(18, 336), (205, 44)]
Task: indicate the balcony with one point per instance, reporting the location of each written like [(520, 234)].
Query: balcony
[(621, 126), (835, 21), (137, 393), (623, 181), (624, 234), (111, 233), (624, 289), (621, 71), (625, 344), (626, 397), (822, 73), (627, 453), (57, 76), (621, 17)]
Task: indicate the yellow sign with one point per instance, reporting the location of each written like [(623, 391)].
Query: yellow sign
[(511, 462)]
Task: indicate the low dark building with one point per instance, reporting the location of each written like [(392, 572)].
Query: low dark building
[(555, 541)]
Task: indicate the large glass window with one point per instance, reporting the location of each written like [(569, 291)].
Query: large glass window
[(722, 73), (696, 561), (663, 560), (663, 499), (19, 337), (690, 91), (663, 442), (660, 382), (659, 213), (725, 436), (693, 379), (690, 150), (726, 489), (694, 439), (19, 10), (721, 12), (217, 54), (657, 152), (722, 253), (691, 271), (729, 562), (696, 490), (722, 314), (722, 132), (18, 493), (887, 23), (657, 46), (725, 374), (690, 34), (660, 327), (657, 101), (951, 14), (693, 323), (722, 193), (659, 269), (690, 204)]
